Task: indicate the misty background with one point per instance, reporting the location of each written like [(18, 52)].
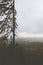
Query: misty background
[(30, 16)]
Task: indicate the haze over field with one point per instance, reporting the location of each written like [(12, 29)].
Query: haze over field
[(30, 19), (30, 37)]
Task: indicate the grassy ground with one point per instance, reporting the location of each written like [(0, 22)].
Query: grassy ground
[(22, 54), (30, 57)]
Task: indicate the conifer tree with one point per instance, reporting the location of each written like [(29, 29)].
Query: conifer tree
[(7, 18)]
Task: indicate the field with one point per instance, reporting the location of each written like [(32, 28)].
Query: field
[(24, 53), (32, 52)]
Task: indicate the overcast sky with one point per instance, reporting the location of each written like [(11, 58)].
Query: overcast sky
[(30, 15)]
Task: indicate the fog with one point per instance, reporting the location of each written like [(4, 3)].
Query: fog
[(30, 16)]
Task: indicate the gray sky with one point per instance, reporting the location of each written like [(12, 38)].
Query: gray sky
[(30, 15)]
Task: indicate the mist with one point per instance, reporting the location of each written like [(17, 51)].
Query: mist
[(30, 16)]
